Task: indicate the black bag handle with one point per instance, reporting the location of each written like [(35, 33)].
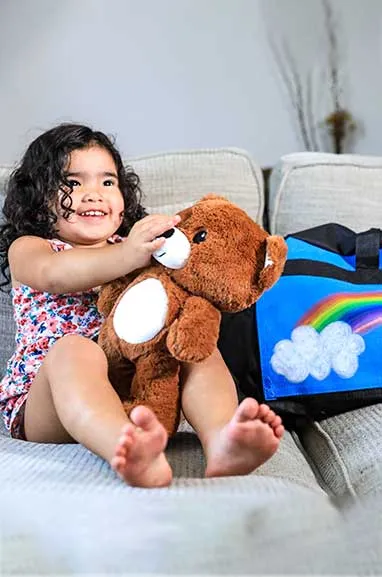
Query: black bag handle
[(367, 249)]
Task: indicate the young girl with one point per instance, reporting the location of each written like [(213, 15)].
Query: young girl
[(67, 207)]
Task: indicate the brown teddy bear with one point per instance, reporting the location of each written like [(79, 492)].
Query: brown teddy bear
[(217, 259)]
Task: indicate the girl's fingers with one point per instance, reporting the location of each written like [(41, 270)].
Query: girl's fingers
[(156, 228), (156, 220), (157, 243)]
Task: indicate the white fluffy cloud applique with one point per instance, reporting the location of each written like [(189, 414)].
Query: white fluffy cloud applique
[(309, 352)]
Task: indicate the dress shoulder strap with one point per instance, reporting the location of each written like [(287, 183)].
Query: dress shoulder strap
[(58, 245), (115, 239)]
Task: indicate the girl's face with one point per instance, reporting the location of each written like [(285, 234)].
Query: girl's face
[(96, 199)]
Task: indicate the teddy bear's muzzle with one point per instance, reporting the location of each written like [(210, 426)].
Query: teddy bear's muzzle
[(175, 251)]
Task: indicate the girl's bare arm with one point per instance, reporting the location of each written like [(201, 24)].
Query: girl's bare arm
[(34, 263)]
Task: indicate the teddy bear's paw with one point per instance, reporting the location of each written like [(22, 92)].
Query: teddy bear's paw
[(186, 344)]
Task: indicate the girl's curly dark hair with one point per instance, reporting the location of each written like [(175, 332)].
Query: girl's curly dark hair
[(33, 187)]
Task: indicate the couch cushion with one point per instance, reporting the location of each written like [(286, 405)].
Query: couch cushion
[(346, 450), (309, 189), (225, 531), (4, 174), (172, 181), (73, 469), (7, 338), (7, 330)]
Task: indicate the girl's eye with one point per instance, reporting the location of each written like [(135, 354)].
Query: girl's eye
[(108, 182), (73, 183)]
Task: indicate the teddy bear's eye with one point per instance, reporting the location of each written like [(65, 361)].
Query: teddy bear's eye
[(200, 236)]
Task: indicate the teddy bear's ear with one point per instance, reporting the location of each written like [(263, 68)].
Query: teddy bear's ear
[(276, 252), (212, 196)]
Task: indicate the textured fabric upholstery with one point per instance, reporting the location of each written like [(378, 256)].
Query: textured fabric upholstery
[(347, 451), (309, 189), (269, 530), (173, 181), (7, 330)]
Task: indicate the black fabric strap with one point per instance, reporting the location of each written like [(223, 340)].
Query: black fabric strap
[(367, 249)]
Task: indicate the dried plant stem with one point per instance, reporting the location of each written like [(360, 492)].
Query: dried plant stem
[(339, 123), (333, 56), (300, 101)]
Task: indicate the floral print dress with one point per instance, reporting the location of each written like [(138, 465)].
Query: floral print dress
[(41, 319)]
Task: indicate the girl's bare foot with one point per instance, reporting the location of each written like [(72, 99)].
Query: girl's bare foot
[(139, 457), (250, 438)]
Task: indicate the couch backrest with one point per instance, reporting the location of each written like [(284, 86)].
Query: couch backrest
[(170, 182), (309, 189)]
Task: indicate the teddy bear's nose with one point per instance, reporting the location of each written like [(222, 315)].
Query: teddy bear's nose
[(167, 234)]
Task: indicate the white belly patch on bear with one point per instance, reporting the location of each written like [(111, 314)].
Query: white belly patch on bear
[(141, 313)]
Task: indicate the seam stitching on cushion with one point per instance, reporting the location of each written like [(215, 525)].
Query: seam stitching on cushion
[(336, 165), (312, 464), (332, 446), (277, 202)]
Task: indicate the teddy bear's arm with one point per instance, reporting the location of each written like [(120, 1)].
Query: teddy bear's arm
[(193, 336)]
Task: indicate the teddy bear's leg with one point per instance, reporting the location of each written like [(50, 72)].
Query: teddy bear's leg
[(156, 385)]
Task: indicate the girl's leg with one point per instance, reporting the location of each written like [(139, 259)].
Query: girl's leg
[(236, 439), (71, 399)]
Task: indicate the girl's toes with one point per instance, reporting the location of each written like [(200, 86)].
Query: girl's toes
[(247, 410), (263, 411), (123, 446), (143, 417), (276, 422), (269, 417), (118, 463), (127, 434), (279, 431)]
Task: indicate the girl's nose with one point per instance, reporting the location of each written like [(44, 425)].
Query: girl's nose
[(92, 196)]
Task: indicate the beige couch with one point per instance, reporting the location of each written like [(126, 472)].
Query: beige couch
[(315, 507)]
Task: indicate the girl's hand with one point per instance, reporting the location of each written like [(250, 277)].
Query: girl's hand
[(144, 238)]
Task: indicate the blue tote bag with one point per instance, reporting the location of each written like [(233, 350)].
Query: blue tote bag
[(311, 347)]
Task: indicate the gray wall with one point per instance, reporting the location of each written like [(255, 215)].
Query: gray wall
[(170, 74)]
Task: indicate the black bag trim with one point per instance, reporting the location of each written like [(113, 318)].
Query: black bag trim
[(333, 237), (307, 267), (367, 249)]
